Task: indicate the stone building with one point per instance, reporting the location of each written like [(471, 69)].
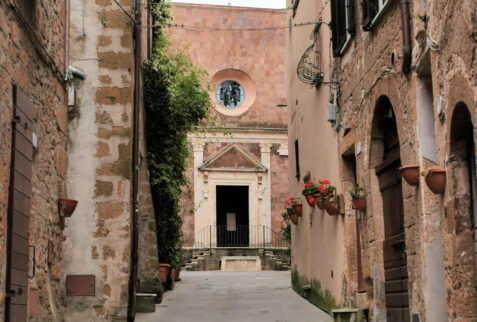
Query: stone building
[(238, 172), (406, 97), (67, 132), (33, 167), (99, 237)]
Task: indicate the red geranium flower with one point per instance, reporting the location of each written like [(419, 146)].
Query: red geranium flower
[(325, 182), (321, 188)]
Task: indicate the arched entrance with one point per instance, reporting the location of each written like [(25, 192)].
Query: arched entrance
[(462, 187), (386, 156)]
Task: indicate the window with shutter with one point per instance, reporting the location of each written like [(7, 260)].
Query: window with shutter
[(342, 24), (371, 8)]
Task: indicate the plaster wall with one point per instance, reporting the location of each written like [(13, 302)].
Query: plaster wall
[(318, 239), (258, 53)]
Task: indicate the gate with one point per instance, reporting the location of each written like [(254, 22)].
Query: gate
[(19, 206)]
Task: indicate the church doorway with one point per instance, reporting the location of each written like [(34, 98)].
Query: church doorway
[(232, 216)]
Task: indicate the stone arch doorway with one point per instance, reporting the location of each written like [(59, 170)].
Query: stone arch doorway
[(386, 158), (463, 190)]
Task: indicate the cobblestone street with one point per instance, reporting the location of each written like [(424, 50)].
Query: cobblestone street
[(234, 296)]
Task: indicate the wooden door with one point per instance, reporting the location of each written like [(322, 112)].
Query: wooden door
[(19, 208), (394, 246)]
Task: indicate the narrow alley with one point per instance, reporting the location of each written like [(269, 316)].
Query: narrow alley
[(234, 296)]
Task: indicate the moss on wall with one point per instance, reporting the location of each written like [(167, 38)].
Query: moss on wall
[(318, 296)]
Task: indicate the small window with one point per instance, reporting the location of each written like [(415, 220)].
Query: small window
[(297, 160), (371, 8), (342, 24)]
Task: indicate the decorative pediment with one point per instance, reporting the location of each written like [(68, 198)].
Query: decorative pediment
[(233, 158)]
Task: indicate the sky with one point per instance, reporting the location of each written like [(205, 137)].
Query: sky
[(275, 4)]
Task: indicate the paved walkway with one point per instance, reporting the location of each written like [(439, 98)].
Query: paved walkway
[(234, 296)]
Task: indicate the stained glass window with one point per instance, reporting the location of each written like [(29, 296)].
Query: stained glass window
[(230, 94)]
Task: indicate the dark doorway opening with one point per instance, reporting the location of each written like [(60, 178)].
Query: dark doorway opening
[(232, 216), (386, 140)]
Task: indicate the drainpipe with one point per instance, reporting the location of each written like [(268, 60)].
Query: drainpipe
[(406, 37), (135, 161)]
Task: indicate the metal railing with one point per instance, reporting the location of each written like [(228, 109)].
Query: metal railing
[(241, 236)]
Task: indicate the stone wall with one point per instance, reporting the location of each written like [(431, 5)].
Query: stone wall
[(370, 68), (98, 238), (32, 53)]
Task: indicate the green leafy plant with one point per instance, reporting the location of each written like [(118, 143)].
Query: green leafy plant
[(174, 103), (285, 229), (357, 192)]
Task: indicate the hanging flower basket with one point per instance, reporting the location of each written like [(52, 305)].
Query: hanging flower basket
[(294, 218), (310, 200), (359, 203), (410, 173), (318, 202), (298, 209), (436, 180), (67, 206), (331, 207)]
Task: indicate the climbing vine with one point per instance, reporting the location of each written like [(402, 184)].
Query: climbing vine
[(175, 103)]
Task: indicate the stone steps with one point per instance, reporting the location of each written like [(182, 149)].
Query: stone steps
[(203, 260)]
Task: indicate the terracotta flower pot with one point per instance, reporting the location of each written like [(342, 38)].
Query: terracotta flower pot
[(359, 203), (298, 208), (163, 272), (294, 218), (436, 180), (331, 207), (410, 173), (177, 275), (67, 206), (310, 200), (318, 203)]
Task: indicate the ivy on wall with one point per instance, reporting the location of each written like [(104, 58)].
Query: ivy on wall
[(175, 103)]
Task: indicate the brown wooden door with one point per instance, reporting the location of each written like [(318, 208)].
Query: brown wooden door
[(394, 246), (19, 208)]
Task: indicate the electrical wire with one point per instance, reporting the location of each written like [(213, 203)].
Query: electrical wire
[(194, 28)]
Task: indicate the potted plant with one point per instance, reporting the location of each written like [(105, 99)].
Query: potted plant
[(176, 263), (289, 213), (410, 173), (436, 180), (309, 190), (358, 197), (293, 204), (327, 197), (164, 272)]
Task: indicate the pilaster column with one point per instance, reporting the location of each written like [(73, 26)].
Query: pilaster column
[(266, 218), (200, 219)]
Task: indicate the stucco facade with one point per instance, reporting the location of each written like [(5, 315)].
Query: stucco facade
[(245, 146), (432, 108), (318, 250)]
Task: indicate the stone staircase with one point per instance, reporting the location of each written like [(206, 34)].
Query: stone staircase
[(210, 259)]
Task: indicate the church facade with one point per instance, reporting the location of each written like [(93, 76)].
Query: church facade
[(239, 160)]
